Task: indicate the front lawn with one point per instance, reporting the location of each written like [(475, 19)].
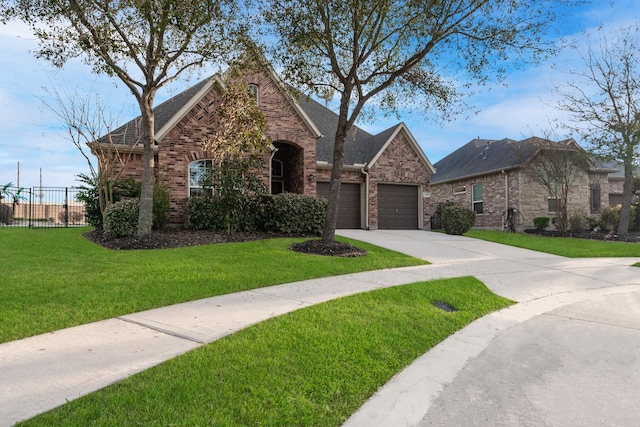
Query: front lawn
[(563, 246), (55, 278), (314, 366)]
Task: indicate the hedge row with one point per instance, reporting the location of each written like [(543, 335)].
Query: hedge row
[(284, 213)]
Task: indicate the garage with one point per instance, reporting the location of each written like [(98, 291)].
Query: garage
[(349, 208), (397, 207)]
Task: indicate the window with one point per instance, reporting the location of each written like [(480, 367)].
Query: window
[(594, 198), (476, 198), (198, 171), (461, 189), (555, 189), (277, 170), (254, 92)]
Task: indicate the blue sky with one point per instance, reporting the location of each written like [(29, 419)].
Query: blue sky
[(32, 135)]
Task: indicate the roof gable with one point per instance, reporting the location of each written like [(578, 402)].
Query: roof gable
[(380, 142)]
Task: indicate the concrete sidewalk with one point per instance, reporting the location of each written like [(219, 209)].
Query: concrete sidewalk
[(42, 372)]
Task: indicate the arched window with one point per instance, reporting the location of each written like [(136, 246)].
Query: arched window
[(198, 172), (254, 91)]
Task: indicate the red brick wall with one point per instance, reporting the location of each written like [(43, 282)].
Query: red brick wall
[(399, 163)]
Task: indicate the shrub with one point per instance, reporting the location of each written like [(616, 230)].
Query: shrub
[(204, 213), (457, 220), (121, 189), (610, 218), (541, 222), (161, 205), (121, 219), (294, 213), (437, 218), (5, 214), (635, 218), (592, 223), (577, 222)]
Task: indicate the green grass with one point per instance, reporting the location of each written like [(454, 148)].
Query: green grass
[(314, 366), (563, 246), (53, 279)]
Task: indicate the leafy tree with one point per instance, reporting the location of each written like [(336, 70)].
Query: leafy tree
[(238, 149), (391, 52), (145, 44), (605, 97)]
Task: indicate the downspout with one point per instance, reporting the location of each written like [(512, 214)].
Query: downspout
[(366, 196), (506, 195)]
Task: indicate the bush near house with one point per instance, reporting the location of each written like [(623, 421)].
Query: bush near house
[(457, 220), (541, 222), (578, 222), (283, 213), (609, 218), (294, 213), (121, 219)]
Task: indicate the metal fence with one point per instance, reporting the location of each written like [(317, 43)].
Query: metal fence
[(42, 207)]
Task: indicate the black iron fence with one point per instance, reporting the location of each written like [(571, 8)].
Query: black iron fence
[(41, 207)]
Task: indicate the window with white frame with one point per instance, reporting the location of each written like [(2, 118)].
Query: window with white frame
[(459, 189), (477, 198), (198, 172)]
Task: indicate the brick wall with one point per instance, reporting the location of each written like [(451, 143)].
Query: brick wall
[(399, 163)]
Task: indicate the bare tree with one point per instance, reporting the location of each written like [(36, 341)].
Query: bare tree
[(399, 52), (604, 101), (557, 166), (145, 44), (89, 125)]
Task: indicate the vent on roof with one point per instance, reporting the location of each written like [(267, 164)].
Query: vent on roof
[(484, 152)]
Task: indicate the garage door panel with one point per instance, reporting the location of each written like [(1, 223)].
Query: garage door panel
[(349, 205), (397, 207)]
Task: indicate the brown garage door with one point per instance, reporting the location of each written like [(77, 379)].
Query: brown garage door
[(397, 207), (349, 212)]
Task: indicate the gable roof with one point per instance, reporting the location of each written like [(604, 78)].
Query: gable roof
[(361, 148)]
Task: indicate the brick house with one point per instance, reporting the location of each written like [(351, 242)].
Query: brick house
[(488, 176), (384, 184)]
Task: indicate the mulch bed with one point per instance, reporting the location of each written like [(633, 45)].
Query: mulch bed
[(177, 238), (632, 237)]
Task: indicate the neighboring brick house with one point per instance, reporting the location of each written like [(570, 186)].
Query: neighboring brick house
[(385, 176), (488, 176)]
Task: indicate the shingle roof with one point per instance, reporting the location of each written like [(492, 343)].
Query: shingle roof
[(480, 156), (360, 146), (131, 132)]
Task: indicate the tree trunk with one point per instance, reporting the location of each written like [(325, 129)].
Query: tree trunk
[(329, 231), (627, 196), (145, 218)]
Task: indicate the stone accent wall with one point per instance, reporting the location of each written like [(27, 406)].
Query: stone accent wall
[(499, 192), (515, 189)]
